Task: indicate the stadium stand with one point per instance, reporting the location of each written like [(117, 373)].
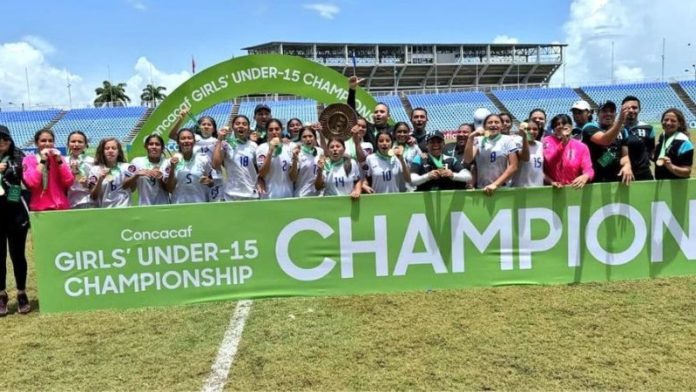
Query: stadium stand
[(284, 110), (690, 88), (24, 125), (553, 100), (99, 123), (396, 107), (654, 97), (446, 111), (221, 112)]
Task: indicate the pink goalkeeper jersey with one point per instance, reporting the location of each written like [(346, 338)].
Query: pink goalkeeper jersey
[(564, 163)]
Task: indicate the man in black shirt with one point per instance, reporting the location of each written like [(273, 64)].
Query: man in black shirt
[(419, 120), (436, 171), (605, 145), (639, 137), (380, 115)]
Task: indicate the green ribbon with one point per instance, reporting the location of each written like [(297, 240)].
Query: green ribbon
[(384, 157), (666, 144), (437, 161), (329, 165), (309, 150), (234, 141), (44, 172), (494, 139)]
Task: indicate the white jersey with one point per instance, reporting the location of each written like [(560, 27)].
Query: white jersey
[(207, 146), (410, 152), (188, 187), (150, 190), (78, 193), (529, 173), (239, 162), (337, 181), (278, 182), (365, 146), (492, 157), (112, 192), (307, 167), (387, 174)]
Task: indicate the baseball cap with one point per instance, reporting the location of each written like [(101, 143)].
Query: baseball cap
[(581, 105), (607, 105), (261, 106), (436, 134), (4, 131)]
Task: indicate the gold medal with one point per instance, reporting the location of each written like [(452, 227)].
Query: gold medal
[(390, 152), (486, 133), (109, 178), (660, 162), (524, 126)]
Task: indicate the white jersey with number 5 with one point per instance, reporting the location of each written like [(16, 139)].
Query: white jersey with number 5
[(492, 157), (307, 167), (529, 173), (386, 174), (278, 182), (337, 181), (188, 174), (112, 192), (150, 191), (207, 146), (239, 162)]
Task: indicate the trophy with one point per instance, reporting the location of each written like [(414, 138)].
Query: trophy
[(337, 120)]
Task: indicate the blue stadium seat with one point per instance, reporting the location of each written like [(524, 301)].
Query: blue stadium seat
[(553, 100), (220, 112), (99, 123), (446, 111), (23, 125)]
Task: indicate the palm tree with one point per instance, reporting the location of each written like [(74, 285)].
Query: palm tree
[(152, 94), (111, 95)]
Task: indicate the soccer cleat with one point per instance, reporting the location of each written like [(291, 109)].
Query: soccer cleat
[(23, 306)]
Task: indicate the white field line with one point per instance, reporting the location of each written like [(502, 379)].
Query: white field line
[(228, 348)]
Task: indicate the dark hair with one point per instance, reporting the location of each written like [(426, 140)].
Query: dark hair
[(540, 132), (78, 133), (681, 120), (38, 133), (631, 98), (561, 117), (13, 152), (287, 126), (274, 120), (470, 125), (385, 105), (308, 129), (156, 136), (242, 116), (400, 124), (485, 120), (419, 108), (347, 164), (384, 132), (506, 114), (200, 121), (537, 110), (100, 157), (182, 130)]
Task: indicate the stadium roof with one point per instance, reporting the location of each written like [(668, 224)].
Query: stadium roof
[(424, 66)]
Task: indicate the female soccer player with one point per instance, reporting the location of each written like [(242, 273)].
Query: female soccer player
[(387, 170), (109, 174), (274, 160), (338, 175), (294, 126), (495, 155), (206, 137), (402, 134), (187, 174), (80, 166), (237, 154), (147, 174), (674, 154), (305, 158), (46, 175), (566, 159), (530, 154), (14, 222)]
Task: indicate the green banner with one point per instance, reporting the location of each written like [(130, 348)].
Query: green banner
[(166, 255), (256, 74)]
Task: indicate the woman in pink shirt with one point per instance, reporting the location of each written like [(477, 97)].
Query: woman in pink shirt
[(566, 160), (46, 175)]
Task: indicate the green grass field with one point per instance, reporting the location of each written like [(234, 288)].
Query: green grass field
[(637, 335), (624, 335)]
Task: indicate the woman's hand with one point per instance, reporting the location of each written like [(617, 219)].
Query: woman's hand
[(490, 189), (580, 181)]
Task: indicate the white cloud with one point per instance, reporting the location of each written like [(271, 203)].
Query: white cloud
[(504, 39), (326, 11), (636, 29), (146, 73), (138, 5), (39, 43)]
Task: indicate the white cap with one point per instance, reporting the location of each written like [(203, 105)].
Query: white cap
[(480, 114), (581, 105)]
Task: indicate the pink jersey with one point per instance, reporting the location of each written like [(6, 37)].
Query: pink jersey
[(565, 162), (60, 178)]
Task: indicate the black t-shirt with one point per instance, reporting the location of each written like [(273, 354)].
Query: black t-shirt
[(640, 141), (422, 140), (680, 152), (606, 160), (422, 166)]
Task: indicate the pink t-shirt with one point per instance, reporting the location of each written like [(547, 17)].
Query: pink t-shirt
[(565, 162), (60, 178)]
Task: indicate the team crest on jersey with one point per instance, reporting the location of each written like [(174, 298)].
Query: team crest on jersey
[(92, 181), (132, 168)]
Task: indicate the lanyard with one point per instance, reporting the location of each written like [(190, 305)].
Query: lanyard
[(666, 144), (436, 161), (330, 165), (309, 150)]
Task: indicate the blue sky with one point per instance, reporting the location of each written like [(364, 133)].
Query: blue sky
[(130, 38)]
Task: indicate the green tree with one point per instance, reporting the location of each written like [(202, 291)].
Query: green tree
[(151, 95), (111, 95)]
